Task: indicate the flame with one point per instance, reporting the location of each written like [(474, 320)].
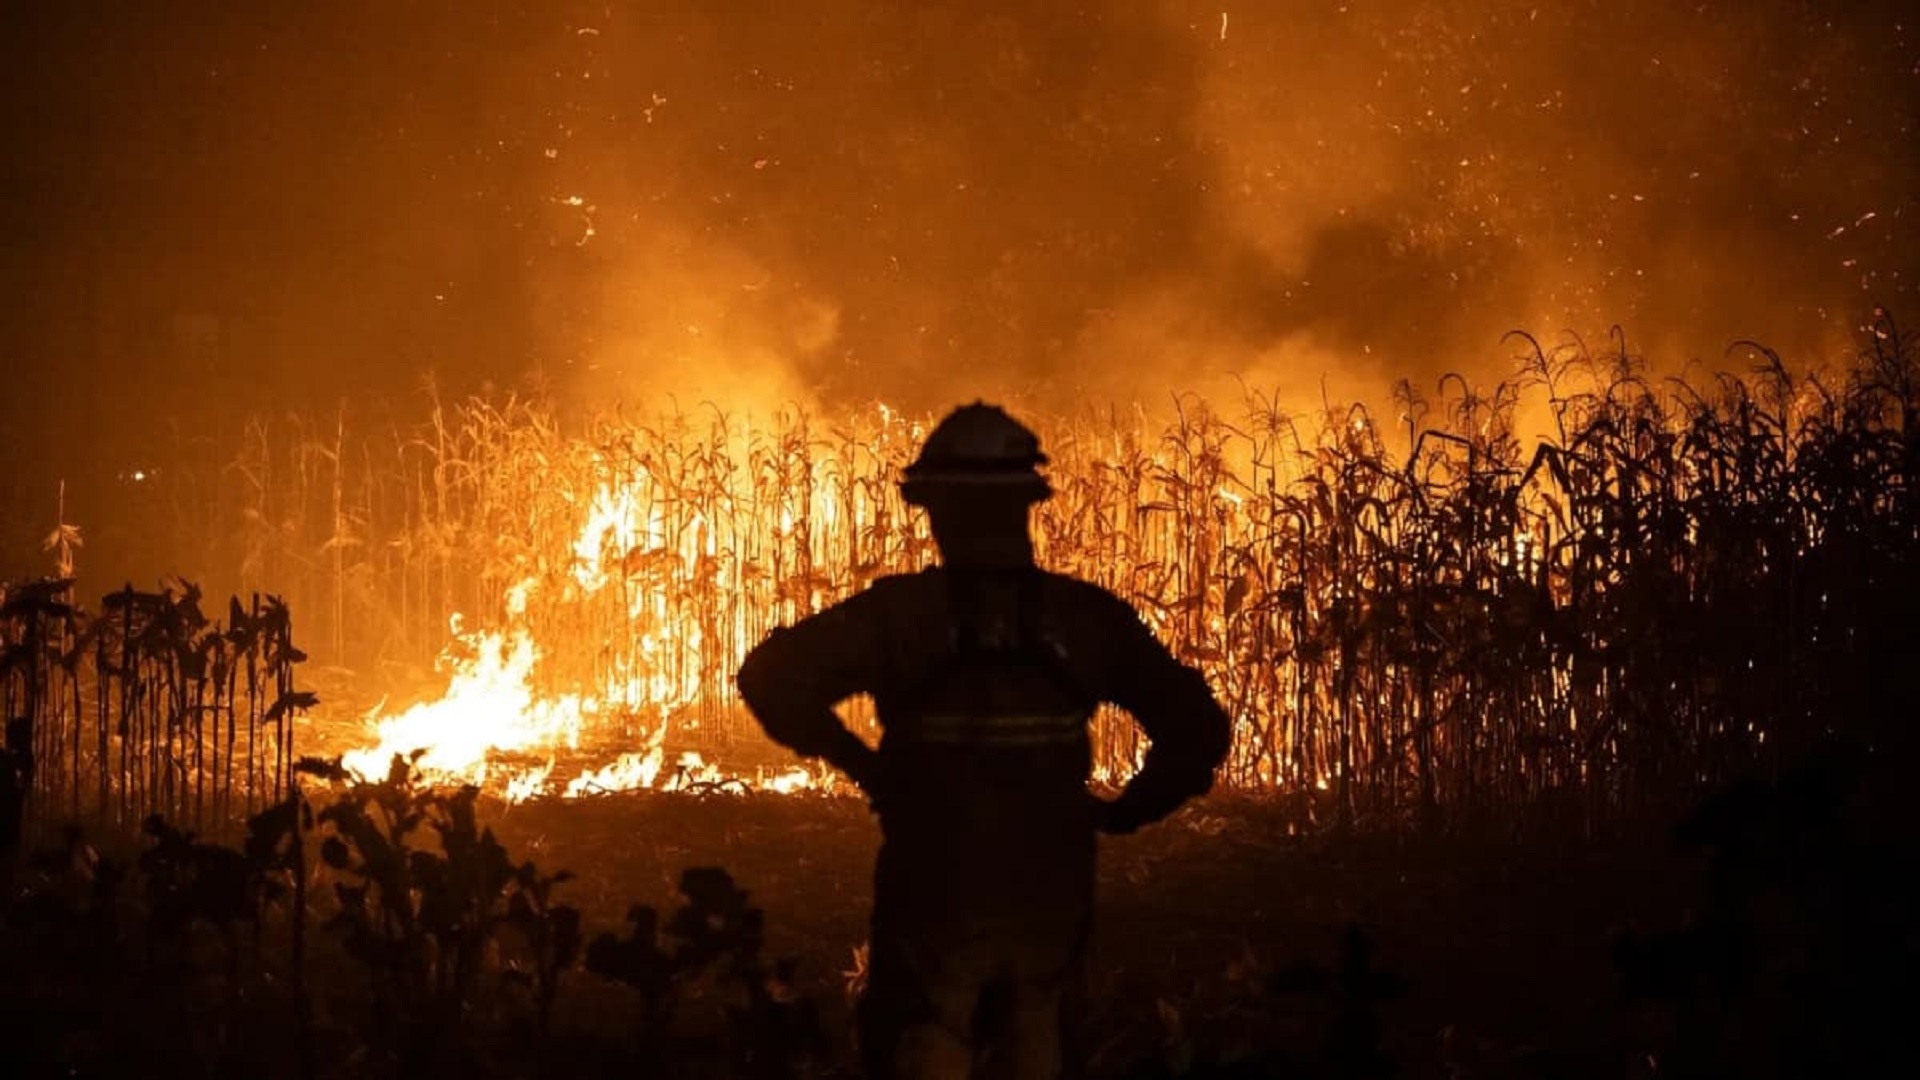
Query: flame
[(528, 784), (633, 771), (494, 709), (489, 707), (794, 780)]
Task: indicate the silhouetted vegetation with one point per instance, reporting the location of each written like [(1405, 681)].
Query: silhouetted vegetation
[(1427, 614), (716, 934), (381, 928), (148, 707), (1689, 603), (1799, 959), (425, 951)]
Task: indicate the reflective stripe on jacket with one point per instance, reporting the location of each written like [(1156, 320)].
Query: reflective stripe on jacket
[(896, 641)]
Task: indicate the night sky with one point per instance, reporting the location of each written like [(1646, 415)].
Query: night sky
[(209, 209)]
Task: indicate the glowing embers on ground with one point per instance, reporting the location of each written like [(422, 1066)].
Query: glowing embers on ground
[(490, 715)]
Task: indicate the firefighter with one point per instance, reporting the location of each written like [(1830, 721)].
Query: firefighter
[(984, 673)]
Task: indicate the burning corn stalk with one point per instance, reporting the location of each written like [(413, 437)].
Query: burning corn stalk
[(1407, 612)]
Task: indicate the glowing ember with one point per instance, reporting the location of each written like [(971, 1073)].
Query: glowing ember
[(632, 772), (529, 784)]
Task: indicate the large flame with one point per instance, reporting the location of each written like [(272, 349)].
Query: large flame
[(496, 727)]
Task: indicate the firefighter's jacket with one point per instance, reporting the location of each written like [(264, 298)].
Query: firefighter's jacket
[(984, 683)]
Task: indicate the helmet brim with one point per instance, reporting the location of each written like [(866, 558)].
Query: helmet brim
[(1027, 486)]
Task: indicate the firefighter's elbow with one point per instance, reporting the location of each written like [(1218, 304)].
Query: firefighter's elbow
[(1212, 740), (1211, 729), (1218, 742), (757, 680), (1202, 785)]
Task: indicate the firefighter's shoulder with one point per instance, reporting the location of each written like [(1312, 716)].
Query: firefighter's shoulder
[(910, 583), (902, 594), (909, 579), (1091, 604), (1083, 594)]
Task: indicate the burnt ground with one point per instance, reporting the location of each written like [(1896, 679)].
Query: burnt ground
[(1504, 949)]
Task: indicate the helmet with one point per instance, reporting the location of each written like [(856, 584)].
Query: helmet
[(978, 446)]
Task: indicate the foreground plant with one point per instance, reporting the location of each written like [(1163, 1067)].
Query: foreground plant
[(718, 936)]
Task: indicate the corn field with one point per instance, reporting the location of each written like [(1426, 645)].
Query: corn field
[(147, 706), (1408, 613)]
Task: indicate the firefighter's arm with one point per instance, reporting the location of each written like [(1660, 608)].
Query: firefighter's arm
[(792, 680), (1188, 732)]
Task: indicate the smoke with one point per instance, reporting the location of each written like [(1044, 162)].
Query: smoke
[(925, 202), (215, 211), (877, 198)]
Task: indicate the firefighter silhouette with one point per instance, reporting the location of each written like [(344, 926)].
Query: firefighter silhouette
[(984, 673)]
